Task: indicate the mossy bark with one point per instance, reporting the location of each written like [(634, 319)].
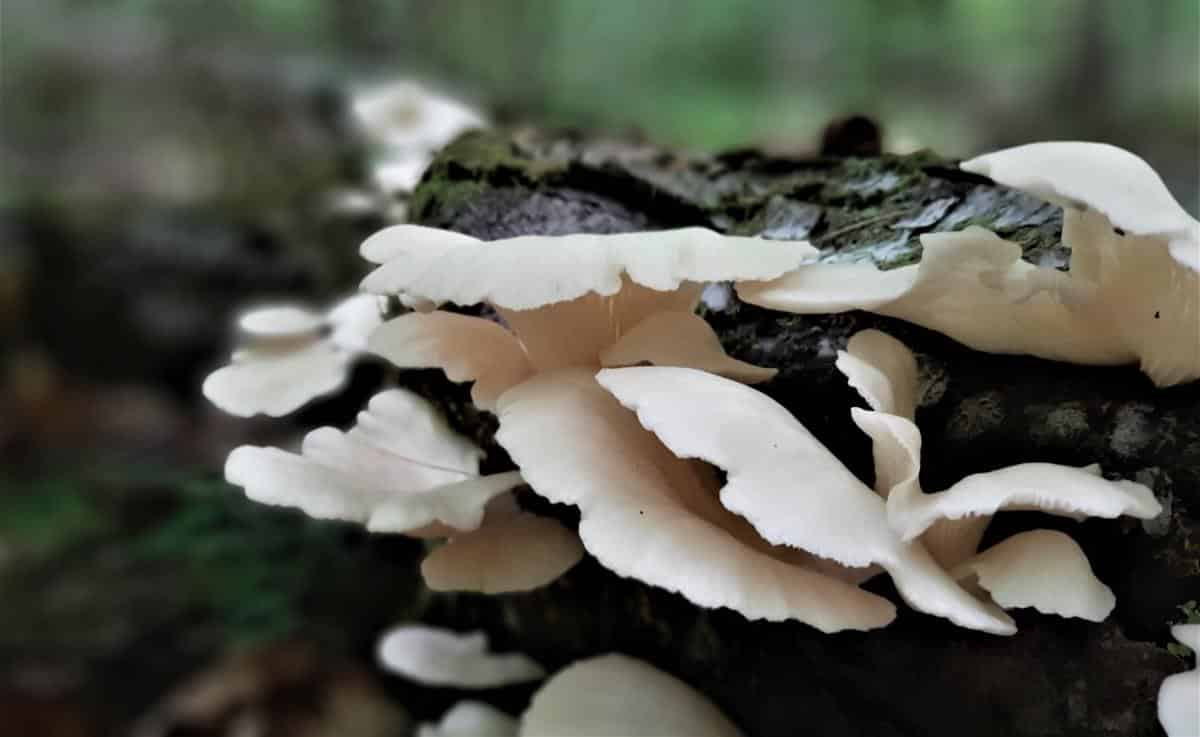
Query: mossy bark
[(920, 676)]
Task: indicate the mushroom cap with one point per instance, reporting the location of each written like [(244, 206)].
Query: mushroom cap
[(288, 362), (471, 719), (1043, 569), (617, 695), (526, 272), (275, 382), (1178, 703), (398, 469), (440, 657), (511, 551), (680, 339), (649, 515), (1112, 181), (786, 484), (281, 321), (466, 348)]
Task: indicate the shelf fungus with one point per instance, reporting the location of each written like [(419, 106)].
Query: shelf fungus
[(1042, 569), (574, 304), (439, 657), (1130, 295), (796, 493), (401, 469), (619, 695), (1179, 695), (292, 355), (601, 696)]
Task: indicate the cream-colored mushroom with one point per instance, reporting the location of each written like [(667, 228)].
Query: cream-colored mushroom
[(471, 719), (1131, 296), (513, 550), (649, 515), (618, 695), (289, 359), (401, 469), (1179, 695), (786, 484), (439, 657), (1041, 569), (569, 301), (573, 304)]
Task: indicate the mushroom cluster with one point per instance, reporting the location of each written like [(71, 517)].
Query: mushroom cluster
[(615, 398), (610, 694)]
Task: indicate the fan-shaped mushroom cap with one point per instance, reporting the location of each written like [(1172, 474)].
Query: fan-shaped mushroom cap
[(466, 348), (618, 695), (648, 515), (1043, 569), (275, 382), (527, 272), (955, 290), (399, 469), (1128, 297), (789, 486), (281, 321), (884, 371), (439, 657), (511, 551), (287, 362), (1179, 695), (471, 719), (680, 339), (1112, 181)]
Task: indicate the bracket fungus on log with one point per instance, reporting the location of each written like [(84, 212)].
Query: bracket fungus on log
[(1131, 294), (439, 657), (618, 695), (1041, 568), (401, 469), (293, 356)]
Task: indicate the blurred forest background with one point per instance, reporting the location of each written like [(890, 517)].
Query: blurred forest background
[(166, 161)]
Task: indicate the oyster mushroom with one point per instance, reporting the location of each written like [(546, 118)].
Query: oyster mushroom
[(573, 304), (1042, 569), (1179, 695), (439, 657), (796, 493), (292, 355), (618, 695), (401, 469), (1131, 294)]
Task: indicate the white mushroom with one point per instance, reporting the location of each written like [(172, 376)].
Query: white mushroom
[(1129, 296), (401, 469), (1041, 569), (439, 657), (618, 695), (408, 123), (569, 301), (1113, 182), (289, 359), (884, 371), (649, 515), (512, 551), (471, 719), (1179, 695), (789, 486)]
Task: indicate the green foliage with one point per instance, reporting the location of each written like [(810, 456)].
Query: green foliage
[(1191, 615), (112, 540)]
